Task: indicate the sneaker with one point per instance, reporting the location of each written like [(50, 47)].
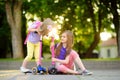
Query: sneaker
[(23, 69), (86, 72)]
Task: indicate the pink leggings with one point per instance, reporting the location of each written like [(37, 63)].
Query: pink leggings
[(64, 67)]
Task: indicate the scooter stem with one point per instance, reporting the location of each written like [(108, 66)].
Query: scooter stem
[(52, 49)]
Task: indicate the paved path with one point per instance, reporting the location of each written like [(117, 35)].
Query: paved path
[(89, 64), (102, 70), (97, 75)]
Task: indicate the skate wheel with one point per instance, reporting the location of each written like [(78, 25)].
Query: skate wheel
[(41, 72), (34, 70), (52, 71)]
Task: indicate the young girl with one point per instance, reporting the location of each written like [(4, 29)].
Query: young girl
[(65, 56), (35, 32)]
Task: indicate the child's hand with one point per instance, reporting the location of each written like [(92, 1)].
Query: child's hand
[(37, 30), (54, 59)]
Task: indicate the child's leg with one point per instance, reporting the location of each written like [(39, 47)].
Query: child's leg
[(37, 54), (79, 63), (24, 63), (30, 48), (64, 69), (75, 57)]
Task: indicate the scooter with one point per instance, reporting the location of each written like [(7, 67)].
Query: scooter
[(52, 69), (39, 69)]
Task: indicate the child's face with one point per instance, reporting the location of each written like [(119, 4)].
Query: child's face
[(64, 38)]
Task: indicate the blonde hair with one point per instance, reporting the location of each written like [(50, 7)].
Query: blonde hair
[(44, 27), (70, 39)]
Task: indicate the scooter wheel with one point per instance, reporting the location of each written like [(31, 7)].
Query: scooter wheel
[(34, 70), (41, 72), (52, 70)]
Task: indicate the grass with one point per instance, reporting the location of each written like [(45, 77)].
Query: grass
[(11, 59), (48, 59), (103, 59)]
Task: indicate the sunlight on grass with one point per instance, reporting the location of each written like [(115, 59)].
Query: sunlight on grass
[(103, 59), (48, 59)]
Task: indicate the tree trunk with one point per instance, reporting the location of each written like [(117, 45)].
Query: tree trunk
[(119, 39), (116, 22), (89, 51), (95, 29), (13, 12)]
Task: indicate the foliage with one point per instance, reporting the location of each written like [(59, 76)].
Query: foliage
[(5, 39), (75, 15)]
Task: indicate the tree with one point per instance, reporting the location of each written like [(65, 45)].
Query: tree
[(112, 5), (96, 28), (5, 41), (116, 20), (71, 14), (13, 13)]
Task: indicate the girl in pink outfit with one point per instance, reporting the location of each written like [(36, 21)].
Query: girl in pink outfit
[(65, 56)]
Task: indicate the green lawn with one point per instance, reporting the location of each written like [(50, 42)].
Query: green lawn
[(105, 59), (48, 59)]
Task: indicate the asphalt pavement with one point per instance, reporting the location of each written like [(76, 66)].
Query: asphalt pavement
[(97, 75), (9, 70)]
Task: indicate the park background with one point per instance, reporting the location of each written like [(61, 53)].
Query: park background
[(93, 22)]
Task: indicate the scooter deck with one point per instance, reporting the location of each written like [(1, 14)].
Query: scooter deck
[(27, 72), (58, 73)]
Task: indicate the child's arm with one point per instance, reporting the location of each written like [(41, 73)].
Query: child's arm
[(65, 61), (32, 30), (34, 27)]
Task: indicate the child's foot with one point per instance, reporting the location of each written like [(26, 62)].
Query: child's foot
[(86, 72), (23, 69)]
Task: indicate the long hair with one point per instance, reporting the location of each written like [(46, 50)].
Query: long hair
[(70, 39), (44, 27)]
